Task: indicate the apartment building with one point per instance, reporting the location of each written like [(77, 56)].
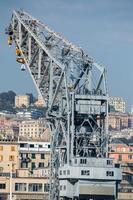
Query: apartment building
[(118, 103), (40, 102), (24, 188), (28, 162), (9, 128), (34, 129), (22, 100), (9, 156), (34, 155), (123, 154), (114, 121), (118, 121)]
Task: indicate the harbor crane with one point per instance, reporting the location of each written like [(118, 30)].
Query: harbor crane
[(74, 89)]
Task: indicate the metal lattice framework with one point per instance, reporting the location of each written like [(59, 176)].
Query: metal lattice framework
[(64, 76)]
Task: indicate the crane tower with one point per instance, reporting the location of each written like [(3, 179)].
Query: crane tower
[(74, 89)]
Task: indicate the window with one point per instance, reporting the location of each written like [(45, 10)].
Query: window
[(68, 172), (64, 187), (130, 157), (20, 186), (128, 178), (1, 157), (24, 155), (35, 187), (33, 165), (1, 148), (31, 145), (46, 187), (12, 148), (120, 158), (126, 190), (2, 186), (64, 172), (40, 146), (1, 169), (60, 187), (109, 162), (42, 156), (109, 173), (41, 165), (22, 145), (117, 165), (82, 161), (48, 146), (85, 172), (60, 172), (33, 156), (11, 158), (75, 161), (24, 165)]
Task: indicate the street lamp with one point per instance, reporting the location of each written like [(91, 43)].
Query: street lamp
[(10, 183), (10, 196), (11, 169)]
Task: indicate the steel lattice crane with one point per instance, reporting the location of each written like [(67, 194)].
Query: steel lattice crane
[(74, 89)]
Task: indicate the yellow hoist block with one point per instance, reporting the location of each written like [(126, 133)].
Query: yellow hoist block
[(18, 52), (20, 60), (10, 40)]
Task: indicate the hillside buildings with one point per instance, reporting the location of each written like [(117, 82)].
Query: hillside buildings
[(123, 154), (34, 129), (9, 128), (30, 114), (22, 101), (40, 102), (24, 129), (117, 103), (119, 121)]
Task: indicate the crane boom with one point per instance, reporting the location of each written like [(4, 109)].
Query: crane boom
[(74, 89)]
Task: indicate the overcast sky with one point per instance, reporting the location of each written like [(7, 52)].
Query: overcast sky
[(103, 28)]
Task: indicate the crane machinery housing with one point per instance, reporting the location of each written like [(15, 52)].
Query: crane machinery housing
[(74, 89)]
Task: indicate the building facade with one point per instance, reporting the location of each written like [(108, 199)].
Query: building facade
[(34, 129), (40, 102), (9, 128), (123, 154), (22, 101), (119, 121), (9, 156), (34, 155), (24, 170), (26, 188), (118, 103)]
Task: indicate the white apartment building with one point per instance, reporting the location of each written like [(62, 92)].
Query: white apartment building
[(22, 100), (118, 103)]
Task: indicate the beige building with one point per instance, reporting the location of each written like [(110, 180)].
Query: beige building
[(8, 128), (24, 188), (118, 121), (22, 100), (28, 162), (118, 103), (123, 155), (9, 156), (39, 102), (34, 129)]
